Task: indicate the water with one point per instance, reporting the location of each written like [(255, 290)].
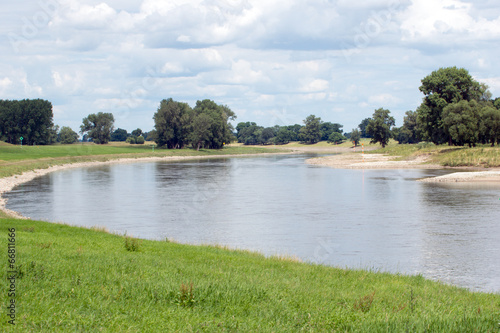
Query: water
[(376, 219)]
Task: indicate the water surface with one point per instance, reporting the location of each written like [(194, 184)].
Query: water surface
[(376, 219)]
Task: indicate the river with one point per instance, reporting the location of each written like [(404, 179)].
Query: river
[(381, 220)]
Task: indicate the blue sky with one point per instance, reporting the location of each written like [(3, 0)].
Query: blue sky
[(272, 62)]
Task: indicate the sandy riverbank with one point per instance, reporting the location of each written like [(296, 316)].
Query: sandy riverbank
[(8, 183), (380, 161)]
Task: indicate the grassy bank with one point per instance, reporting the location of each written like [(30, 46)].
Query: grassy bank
[(15, 160), (75, 279), (480, 156)]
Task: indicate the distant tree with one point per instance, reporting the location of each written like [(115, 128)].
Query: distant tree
[(311, 133), (99, 127), (151, 136), (379, 127), (54, 135), (409, 132), (283, 136), (221, 131), (131, 140), (267, 134), (139, 140), (119, 135), (355, 136), (201, 134), (362, 127), (137, 132), (67, 135), (327, 128), (85, 138), (336, 138), (461, 122), (489, 125), (443, 87), (30, 119), (496, 103), (295, 129), (172, 123)]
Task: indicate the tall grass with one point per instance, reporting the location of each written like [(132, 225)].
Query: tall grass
[(86, 280)]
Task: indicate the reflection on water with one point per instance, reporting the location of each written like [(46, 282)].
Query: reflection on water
[(380, 219)]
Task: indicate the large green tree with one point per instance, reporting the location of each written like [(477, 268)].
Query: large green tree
[(119, 134), (441, 88), (311, 132), (362, 127), (173, 124), (98, 126), (221, 131), (461, 122), (201, 134), (489, 125), (30, 119), (379, 127), (327, 128)]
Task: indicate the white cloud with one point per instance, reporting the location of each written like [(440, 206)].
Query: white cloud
[(383, 100)]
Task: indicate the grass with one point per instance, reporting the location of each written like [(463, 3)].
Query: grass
[(15, 160), (449, 156), (86, 280)]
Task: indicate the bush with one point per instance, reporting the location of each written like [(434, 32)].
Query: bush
[(130, 140), (140, 140)]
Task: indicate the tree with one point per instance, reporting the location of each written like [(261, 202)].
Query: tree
[(67, 135), (362, 127), (139, 140), (30, 119), (119, 135), (336, 138), (379, 127), (489, 126), (441, 88), (267, 134), (283, 136), (311, 133), (200, 135), (99, 127), (173, 124), (137, 132), (327, 128), (221, 131), (461, 122), (355, 136), (409, 132)]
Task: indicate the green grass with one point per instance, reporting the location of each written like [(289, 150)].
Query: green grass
[(450, 156), (75, 279), (15, 160)]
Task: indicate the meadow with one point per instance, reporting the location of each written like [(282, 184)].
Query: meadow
[(77, 279)]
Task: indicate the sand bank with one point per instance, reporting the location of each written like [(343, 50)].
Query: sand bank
[(370, 161)]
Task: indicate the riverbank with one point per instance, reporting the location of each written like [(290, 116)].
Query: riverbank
[(77, 279)]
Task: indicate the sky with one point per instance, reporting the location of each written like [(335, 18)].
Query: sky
[(273, 62)]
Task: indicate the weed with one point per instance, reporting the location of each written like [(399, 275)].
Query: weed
[(30, 229), (364, 303), (132, 244), (44, 245), (185, 296)]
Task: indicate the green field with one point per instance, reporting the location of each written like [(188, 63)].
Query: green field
[(75, 279)]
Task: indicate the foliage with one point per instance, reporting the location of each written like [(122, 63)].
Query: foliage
[(362, 127), (131, 140), (409, 132), (489, 126), (132, 244), (137, 132), (119, 135), (220, 130), (67, 135), (336, 138), (311, 132), (30, 119), (327, 128), (172, 124), (355, 136), (99, 127), (86, 281), (461, 122), (200, 134), (140, 140), (441, 88), (379, 127)]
